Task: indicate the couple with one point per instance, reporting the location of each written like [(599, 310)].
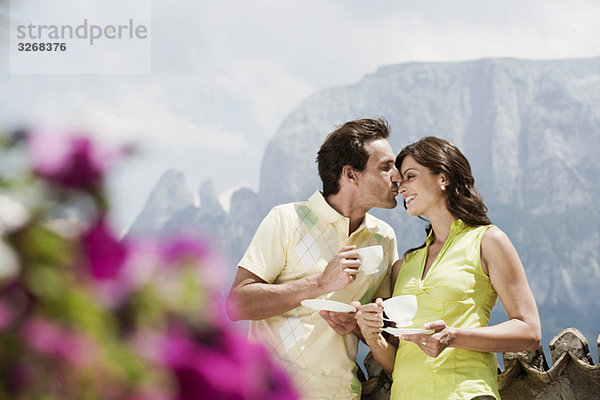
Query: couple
[(307, 249)]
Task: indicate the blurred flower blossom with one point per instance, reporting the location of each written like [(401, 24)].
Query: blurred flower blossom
[(8, 261), (106, 254), (184, 248), (205, 366), (51, 339), (70, 161), (191, 249), (12, 214), (85, 314), (6, 314)]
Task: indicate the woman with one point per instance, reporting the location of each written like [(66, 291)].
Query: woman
[(457, 275)]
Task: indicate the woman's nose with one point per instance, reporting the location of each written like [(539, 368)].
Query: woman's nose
[(401, 187)]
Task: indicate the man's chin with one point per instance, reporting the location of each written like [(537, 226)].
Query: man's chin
[(389, 204)]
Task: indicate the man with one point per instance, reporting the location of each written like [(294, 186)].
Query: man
[(306, 250)]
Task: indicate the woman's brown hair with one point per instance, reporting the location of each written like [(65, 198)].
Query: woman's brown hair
[(442, 157)]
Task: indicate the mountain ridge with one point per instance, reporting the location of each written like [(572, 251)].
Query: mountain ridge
[(531, 131)]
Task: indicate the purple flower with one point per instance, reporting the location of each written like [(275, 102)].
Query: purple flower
[(222, 364), (189, 250), (121, 267), (106, 254), (47, 337), (70, 161), (6, 315), (183, 249), (23, 375), (150, 396)]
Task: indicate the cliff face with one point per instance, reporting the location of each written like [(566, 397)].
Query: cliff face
[(531, 130)]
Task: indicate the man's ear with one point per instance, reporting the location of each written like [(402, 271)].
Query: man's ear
[(349, 173)]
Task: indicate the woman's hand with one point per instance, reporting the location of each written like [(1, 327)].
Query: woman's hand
[(432, 344), (370, 321)]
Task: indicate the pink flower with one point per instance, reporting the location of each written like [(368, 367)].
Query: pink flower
[(121, 267), (150, 396), (190, 249), (70, 161), (221, 364), (6, 315), (106, 254), (184, 248), (47, 337)]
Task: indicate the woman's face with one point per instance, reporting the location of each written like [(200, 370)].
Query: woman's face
[(421, 188)]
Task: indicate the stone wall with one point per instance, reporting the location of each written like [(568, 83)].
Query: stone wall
[(573, 375)]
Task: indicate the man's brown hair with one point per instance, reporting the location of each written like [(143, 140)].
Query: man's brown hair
[(346, 146)]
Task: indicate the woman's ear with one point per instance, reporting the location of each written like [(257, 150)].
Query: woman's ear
[(443, 180)]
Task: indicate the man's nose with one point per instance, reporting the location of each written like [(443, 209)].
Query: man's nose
[(396, 178)]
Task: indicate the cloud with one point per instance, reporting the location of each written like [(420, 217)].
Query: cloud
[(272, 54), (272, 90), (225, 74)]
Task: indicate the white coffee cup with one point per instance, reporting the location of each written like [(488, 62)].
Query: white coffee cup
[(370, 258), (401, 309)]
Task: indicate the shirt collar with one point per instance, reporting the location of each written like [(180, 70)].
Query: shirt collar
[(457, 226), (325, 212), (370, 222)]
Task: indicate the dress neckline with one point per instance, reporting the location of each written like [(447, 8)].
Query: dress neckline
[(457, 226)]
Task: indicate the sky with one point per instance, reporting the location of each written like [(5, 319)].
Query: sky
[(224, 74)]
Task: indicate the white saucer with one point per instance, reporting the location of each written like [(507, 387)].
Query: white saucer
[(407, 331), (327, 305), (399, 324), (370, 272)]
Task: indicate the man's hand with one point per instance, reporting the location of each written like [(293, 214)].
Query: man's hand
[(341, 270), (343, 323)]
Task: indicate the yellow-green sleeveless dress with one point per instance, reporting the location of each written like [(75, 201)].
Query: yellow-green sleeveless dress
[(457, 291)]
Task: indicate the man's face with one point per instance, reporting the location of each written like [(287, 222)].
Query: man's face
[(379, 181)]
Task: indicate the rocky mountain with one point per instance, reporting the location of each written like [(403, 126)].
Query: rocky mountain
[(531, 130), (168, 198)]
